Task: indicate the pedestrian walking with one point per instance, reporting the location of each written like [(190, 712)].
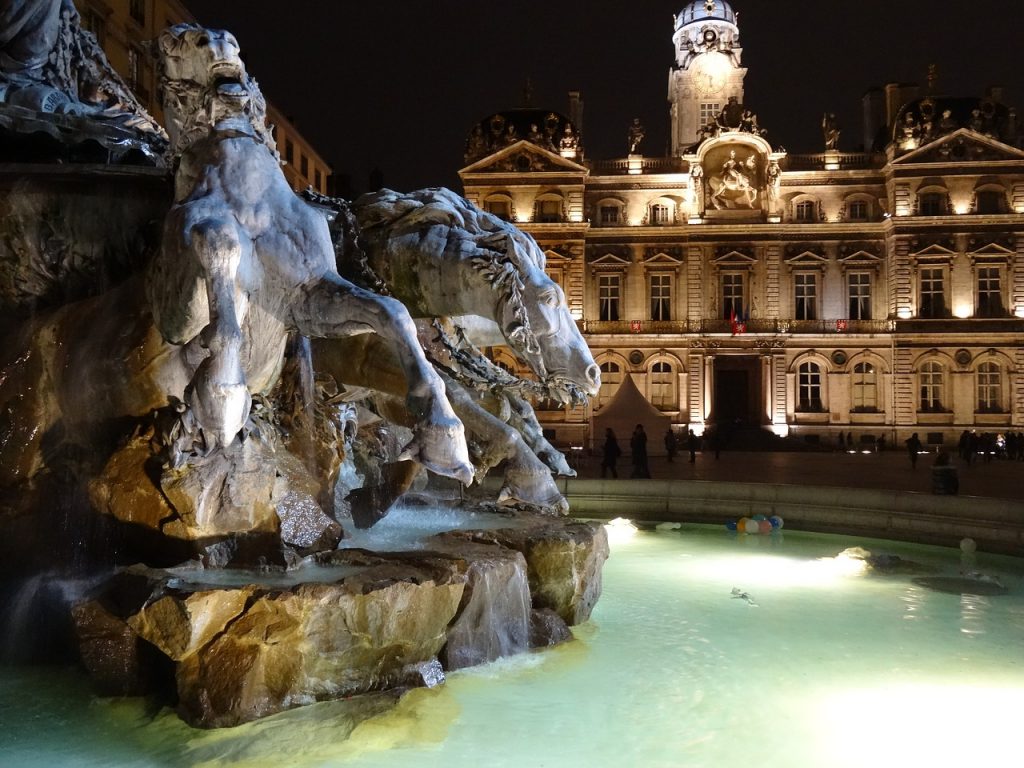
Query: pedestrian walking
[(671, 444), (913, 449), (638, 445), (611, 454), (692, 444), (842, 441)]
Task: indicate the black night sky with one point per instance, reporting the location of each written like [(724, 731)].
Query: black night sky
[(397, 85)]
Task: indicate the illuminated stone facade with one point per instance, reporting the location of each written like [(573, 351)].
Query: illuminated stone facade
[(877, 293), (124, 29)]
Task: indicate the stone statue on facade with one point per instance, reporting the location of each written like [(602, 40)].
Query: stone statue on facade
[(636, 135), (733, 187), (830, 131), (697, 185), (569, 141)]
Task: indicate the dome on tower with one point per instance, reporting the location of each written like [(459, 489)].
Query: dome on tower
[(705, 10)]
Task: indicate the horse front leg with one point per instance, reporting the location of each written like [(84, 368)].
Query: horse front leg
[(218, 394), (524, 419), (527, 479), (333, 307)]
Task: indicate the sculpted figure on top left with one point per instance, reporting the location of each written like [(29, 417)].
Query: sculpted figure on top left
[(49, 64)]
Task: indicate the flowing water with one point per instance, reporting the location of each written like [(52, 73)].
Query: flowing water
[(706, 649)]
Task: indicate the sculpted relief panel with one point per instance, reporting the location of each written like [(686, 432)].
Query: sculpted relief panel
[(735, 177)]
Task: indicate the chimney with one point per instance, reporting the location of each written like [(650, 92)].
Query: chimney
[(576, 111), (994, 93), (873, 102), (896, 95)]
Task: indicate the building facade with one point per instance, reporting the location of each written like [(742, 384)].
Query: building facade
[(124, 29), (877, 293)]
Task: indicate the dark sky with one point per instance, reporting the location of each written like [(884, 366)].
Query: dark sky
[(397, 84)]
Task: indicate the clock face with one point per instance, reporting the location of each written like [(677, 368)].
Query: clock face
[(709, 72)]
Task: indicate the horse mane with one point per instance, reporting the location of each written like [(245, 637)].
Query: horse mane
[(190, 102), (507, 251)]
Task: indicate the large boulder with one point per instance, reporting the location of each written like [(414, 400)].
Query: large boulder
[(564, 560)]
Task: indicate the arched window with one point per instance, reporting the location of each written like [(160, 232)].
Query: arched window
[(809, 388), (611, 378), (932, 384), (990, 201), (663, 389), (805, 211), (865, 388), (990, 388), (932, 204), (660, 213), (500, 206), (548, 209)]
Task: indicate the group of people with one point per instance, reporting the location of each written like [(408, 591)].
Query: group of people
[(989, 445), (638, 449)]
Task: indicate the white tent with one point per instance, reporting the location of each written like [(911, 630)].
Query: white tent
[(623, 412)]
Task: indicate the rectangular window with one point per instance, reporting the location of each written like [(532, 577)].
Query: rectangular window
[(932, 393), (137, 10), (991, 202), (806, 211), (990, 394), (609, 295), (661, 297), (932, 204), (549, 211), (933, 293), (95, 22), (865, 388), (304, 166), (858, 210), (709, 110), (990, 294), (609, 214), (659, 214), (289, 151), (809, 386), (134, 68), (732, 295), (805, 286), (859, 288), (318, 180), (500, 208)]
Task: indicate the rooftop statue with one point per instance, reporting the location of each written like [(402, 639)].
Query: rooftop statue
[(636, 135), (830, 131)]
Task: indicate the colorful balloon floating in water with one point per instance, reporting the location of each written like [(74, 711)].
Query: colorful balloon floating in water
[(756, 524)]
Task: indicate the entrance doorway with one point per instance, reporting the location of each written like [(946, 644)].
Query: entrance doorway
[(737, 392)]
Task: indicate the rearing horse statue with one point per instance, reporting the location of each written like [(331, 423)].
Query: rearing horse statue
[(244, 260)]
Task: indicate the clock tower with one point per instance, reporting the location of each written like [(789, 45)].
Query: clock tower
[(707, 71)]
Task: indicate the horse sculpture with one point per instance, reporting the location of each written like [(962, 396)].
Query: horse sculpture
[(733, 189), (244, 260), (444, 257), (243, 263)]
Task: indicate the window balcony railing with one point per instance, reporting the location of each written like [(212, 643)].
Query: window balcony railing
[(978, 325), (722, 325)]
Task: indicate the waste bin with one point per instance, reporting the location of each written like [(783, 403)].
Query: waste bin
[(945, 480)]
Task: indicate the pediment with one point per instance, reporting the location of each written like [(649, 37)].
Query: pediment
[(610, 260), (860, 258), (961, 146), (524, 157), (992, 252), (554, 257), (662, 259), (934, 251), (807, 259), (734, 259)]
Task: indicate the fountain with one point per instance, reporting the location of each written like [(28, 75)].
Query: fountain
[(208, 383)]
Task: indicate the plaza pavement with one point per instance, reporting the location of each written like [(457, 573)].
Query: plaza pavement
[(888, 470)]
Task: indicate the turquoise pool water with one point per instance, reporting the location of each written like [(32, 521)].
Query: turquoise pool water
[(818, 666)]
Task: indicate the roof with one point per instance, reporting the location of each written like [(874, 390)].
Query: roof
[(703, 10)]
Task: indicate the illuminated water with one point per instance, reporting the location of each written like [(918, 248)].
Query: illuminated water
[(819, 668)]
